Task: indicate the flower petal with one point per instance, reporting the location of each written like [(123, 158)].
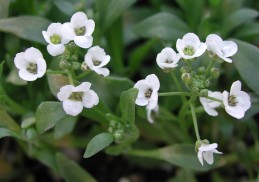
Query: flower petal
[(90, 99), (83, 87), (229, 48), (46, 36), (78, 19), (55, 50), (208, 156), (65, 92), (208, 147), (235, 87), (153, 81), (102, 71), (41, 67), (72, 107), (25, 75), (54, 28), (153, 101), (32, 54), (200, 157), (67, 31), (89, 24), (20, 61), (84, 42)]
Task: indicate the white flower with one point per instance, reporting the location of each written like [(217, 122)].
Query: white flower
[(147, 94), (149, 113), (96, 58), (236, 102), (223, 49), (190, 46), (56, 40), (31, 64), (167, 58), (75, 98), (79, 29), (206, 151), (210, 105)]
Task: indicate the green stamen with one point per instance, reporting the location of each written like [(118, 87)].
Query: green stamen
[(80, 31), (32, 68), (188, 50), (232, 101), (55, 39), (76, 96)]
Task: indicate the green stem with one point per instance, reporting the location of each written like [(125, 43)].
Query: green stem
[(175, 93), (14, 105), (70, 77), (209, 67), (178, 86), (214, 99), (82, 75), (195, 122), (55, 72)]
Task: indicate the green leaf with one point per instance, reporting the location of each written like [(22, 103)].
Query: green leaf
[(127, 105), (106, 16), (171, 28), (118, 84), (247, 64), (248, 31), (1, 68), (71, 171), (4, 8), (182, 155), (64, 126), (56, 82), (7, 122), (26, 27), (8, 133), (193, 11), (98, 143), (48, 114), (46, 157), (139, 54), (67, 7), (238, 18)]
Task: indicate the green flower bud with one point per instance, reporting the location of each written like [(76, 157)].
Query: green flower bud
[(204, 93), (201, 70), (76, 65), (195, 90), (187, 78), (186, 69), (214, 72), (207, 83), (118, 134), (63, 64), (198, 143), (167, 70), (74, 57)]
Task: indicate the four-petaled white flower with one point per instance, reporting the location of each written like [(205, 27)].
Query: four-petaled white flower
[(56, 40), (75, 98), (147, 94), (79, 29), (96, 58), (236, 102), (31, 64), (190, 46), (149, 113), (167, 58), (223, 49), (210, 105), (206, 151)]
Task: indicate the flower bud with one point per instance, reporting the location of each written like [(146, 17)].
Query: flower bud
[(63, 64), (76, 65), (118, 134), (207, 83), (201, 70), (204, 93), (74, 57), (186, 69), (195, 90), (214, 72), (84, 66), (187, 79)]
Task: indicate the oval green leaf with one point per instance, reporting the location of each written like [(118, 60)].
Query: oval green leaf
[(98, 143)]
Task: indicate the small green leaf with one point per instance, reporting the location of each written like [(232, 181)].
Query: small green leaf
[(26, 27), (8, 133), (4, 8), (163, 26), (7, 122), (71, 171), (64, 126), (98, 143), (182, 155), (248, 31), (48, 114), (247, 64), (47, 157), (118, 84), (67, 6), (238, 18), (56, 82), (127, 105)]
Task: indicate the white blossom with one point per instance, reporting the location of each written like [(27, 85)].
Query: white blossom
[(79, 29), (96, 58), (190, 46), (223, 49), (147, 94), (149, 113), (56, 40), (210, 105), (236, 102), (75, 98), (167, 58), (206, 151), (31, 64)]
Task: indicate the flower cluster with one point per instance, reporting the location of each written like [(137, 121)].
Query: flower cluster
[(235, 102), (64, 40)]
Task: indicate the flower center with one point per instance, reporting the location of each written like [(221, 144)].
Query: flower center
[(55, 39), (32, 68), (80, 31), (188, 50), (168, 61), (232, 100), (96, 62), (76, 96), (148, 93)]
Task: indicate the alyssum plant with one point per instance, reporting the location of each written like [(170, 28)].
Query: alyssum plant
[(64, 40)]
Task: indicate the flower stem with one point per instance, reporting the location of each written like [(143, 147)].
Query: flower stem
[(210, 66), (55, 72), (175, 93), (195, 122), (14, 105), (178, 86), (82, 75), (70, 77)]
